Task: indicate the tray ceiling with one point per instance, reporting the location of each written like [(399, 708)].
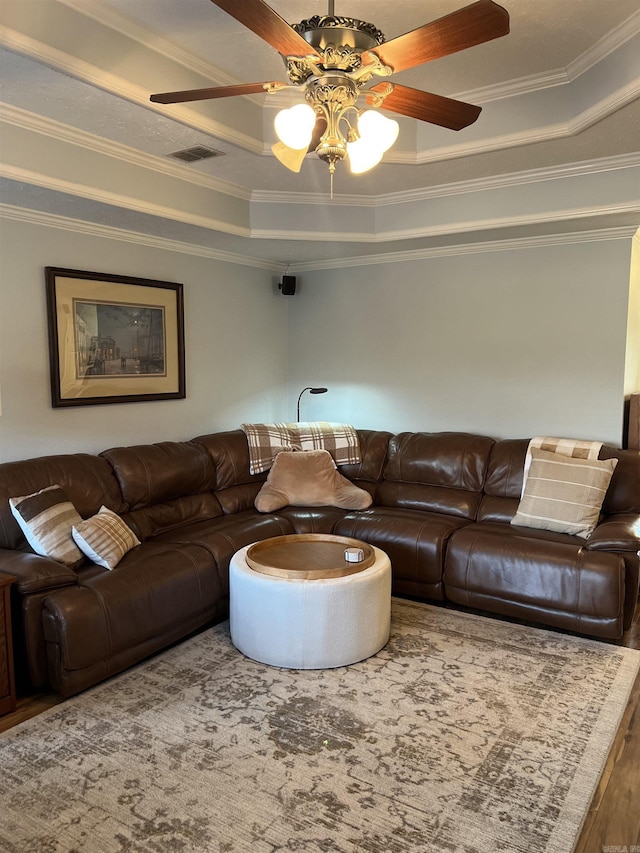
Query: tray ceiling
[(560, 97)]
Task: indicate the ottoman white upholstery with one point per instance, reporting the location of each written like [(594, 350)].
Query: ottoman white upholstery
[(309, 624)]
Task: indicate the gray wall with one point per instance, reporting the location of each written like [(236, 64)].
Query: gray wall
[(236, 345), (508, 343)]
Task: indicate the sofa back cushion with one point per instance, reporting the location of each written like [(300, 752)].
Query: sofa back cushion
[(166, 485), (155, 473), (88, 481), (367, 474), (623, 494), (436, 472), (159, 518), (235, 488), (503, 485)]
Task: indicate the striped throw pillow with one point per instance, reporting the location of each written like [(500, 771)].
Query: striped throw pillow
[(104, 538), (563, 493), (46, 518)]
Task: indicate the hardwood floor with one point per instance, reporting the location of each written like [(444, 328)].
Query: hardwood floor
[(612, 824)]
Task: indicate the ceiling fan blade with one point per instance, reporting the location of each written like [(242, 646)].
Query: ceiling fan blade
[(435, 109), (215, 92), (475, 24), (264, 22)]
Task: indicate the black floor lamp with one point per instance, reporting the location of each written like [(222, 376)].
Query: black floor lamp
[(311, 391)]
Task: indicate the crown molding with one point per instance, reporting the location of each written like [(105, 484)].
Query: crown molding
[(516, 244), (56, 130), (492, 182), (107, 232), (516, 179), (602, 49), (458, 227), (542, 133), (112, 19), (14, 173), (65, 133), (607, 45), (78, 226), (515, 88), (120, 87)]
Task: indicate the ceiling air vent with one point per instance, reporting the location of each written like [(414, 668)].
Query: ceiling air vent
[(198, 152)]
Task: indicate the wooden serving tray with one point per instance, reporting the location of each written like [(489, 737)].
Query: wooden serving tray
[(308, 556)]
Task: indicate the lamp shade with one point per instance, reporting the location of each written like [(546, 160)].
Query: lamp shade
[(292, 158), (363, 156), (295, 126), (377, 133), (373, 126)]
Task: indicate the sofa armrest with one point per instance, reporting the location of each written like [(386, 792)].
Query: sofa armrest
[(617, 533), (34, 573)]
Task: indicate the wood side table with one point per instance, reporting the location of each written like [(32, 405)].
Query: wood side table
[(7, 679)]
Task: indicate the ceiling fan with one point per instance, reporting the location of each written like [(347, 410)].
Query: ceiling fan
[(332, 59)]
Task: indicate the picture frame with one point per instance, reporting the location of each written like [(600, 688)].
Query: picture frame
[(113, 339)]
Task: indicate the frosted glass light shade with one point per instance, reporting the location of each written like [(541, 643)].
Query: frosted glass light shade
[(292, 158), (295, 126), (376, 127), (363, 156), (377, 134)]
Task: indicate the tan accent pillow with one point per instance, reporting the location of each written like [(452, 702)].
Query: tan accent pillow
[(308, 478), (46, 518), (563, 493), (104, 538)]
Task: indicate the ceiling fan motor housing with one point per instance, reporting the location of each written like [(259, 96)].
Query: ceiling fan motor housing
[(323, 31)]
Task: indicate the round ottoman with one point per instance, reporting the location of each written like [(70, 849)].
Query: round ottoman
[(309, 624)]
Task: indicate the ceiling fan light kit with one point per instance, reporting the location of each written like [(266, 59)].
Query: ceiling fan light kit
[(332, 59)]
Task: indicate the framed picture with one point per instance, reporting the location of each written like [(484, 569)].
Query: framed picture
[(113, 339)]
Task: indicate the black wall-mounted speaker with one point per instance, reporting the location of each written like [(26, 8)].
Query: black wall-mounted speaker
[(288, 285)]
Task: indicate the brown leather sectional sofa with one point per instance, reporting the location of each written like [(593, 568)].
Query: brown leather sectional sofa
[(441, 508)]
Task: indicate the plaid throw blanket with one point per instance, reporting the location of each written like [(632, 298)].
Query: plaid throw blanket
[(266, 440), (565, 446)]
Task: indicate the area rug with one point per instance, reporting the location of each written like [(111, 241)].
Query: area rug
[(464, 734)]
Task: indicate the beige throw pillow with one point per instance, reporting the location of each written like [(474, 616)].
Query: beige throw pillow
[(308, 478), (104, 538), (564, 494), (46, 518)]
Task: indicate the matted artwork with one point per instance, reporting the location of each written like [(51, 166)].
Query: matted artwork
[(114, 339)]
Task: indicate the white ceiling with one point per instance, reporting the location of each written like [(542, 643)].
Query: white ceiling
[(562, 88)]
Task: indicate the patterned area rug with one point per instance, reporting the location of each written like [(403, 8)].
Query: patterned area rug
[(463, 734)]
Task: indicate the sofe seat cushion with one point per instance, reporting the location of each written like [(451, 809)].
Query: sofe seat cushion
[(415, 542), (308, 478), (538, 575)]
